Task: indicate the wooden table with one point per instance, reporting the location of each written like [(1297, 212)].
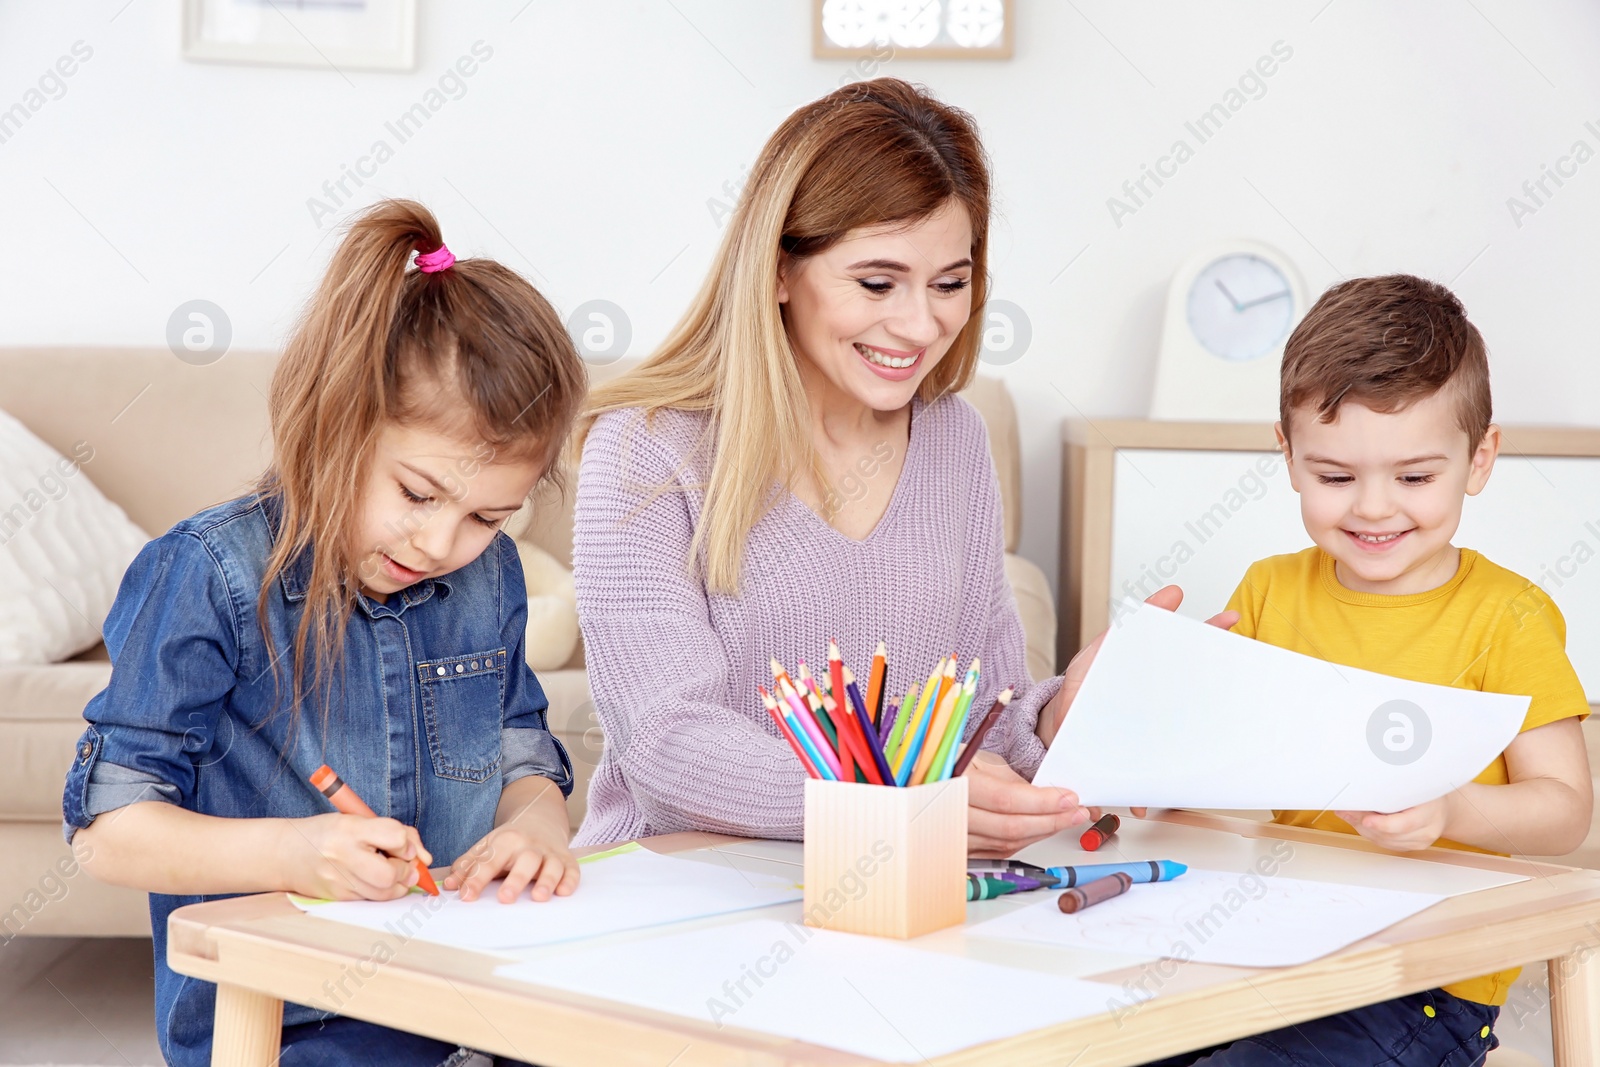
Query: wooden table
[(261, 951)]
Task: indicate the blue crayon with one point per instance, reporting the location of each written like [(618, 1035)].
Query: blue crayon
[(1143, 871)]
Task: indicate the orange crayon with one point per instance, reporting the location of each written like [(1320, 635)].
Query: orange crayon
[(345, 800)]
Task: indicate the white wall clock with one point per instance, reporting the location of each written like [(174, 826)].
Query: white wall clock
[(1230, 309)]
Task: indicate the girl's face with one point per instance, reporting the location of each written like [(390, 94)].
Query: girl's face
[(877, 311), (431, 505)]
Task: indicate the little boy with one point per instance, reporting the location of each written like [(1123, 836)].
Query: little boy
[(1384, 409)]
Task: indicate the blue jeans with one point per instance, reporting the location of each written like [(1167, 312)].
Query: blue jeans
[(345, 1042), (1431, 1029)]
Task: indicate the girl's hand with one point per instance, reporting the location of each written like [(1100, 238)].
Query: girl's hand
[(350, 857), (524, 854), (1403, 831), (1005, 812), (1167, 598)]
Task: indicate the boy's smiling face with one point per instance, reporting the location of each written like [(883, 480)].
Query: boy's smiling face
[(1382, 493)]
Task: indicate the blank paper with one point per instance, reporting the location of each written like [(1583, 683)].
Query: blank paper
[(1176, 713), (864, 995)]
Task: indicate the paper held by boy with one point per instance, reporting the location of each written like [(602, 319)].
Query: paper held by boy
[(1177, 713)]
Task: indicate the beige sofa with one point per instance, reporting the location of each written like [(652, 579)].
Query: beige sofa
[(169, 439)]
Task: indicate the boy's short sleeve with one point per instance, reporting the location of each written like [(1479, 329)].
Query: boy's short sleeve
[(1528, 657), (173, 641), (1248, 600), (528, 746)]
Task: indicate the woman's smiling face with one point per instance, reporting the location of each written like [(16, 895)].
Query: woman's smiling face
[(876, 312)]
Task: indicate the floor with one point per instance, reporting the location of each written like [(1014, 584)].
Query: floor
[(66, 1000), (82, 1001)]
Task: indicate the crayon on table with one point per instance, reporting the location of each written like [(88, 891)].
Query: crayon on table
[(1023, 883), (1142, 871), (1099, 833), (345, 799), (1101, 889), (983, 729), (983, 887)]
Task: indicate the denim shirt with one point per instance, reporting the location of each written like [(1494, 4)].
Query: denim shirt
[(434, 712)]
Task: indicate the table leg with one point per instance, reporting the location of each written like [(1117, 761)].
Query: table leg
[(1575, 1007), (248, 1028)]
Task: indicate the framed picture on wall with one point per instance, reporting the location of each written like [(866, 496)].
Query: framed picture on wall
[(342, 34), (927, 29)]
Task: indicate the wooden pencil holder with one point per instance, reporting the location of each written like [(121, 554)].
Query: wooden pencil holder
[(885, 861)]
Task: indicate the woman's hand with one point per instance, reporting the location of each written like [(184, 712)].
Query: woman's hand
[(350, 857), (1005, 812), (1167, 598)]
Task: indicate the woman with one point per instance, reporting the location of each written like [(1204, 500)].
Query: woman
[(841, 316)]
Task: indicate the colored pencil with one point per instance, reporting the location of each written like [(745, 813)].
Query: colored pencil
[(803, 716), (836, 670), (830, 725), (875, 687), (868, 732), (902, 714), (850, 739), (891, 710), (905, 754), (983, 728), (948, 696), (952, 733), (811, 750), (788, 734)]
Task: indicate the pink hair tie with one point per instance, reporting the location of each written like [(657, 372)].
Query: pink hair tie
[(439, 259)]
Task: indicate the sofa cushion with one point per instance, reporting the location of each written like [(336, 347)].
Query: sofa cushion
[(41, 717), (63, 548)]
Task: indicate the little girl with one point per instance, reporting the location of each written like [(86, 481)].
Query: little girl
[(359, 608)]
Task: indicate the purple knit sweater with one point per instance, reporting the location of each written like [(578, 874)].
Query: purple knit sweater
[(674, 670)]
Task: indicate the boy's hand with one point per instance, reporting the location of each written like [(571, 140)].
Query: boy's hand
[(350, 857), (1402, 831), (524, 854)]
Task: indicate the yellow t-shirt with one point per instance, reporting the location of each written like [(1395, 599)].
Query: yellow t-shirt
[(1486, 628)]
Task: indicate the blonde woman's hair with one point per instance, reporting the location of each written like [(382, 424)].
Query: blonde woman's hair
[(872, 154), (472, 351)]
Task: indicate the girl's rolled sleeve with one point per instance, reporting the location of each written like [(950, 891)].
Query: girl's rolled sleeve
[(172, 636)]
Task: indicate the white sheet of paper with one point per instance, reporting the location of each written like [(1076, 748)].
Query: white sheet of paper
[(865, 995), (1176, 713), (1149, 839), (626, 891), (1219, 917)]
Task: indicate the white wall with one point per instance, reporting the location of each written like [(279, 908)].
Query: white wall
[(584, 153)]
